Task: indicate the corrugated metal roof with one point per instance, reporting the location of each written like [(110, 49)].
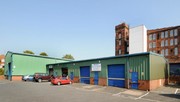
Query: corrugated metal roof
[(120, 56), (23, 54)]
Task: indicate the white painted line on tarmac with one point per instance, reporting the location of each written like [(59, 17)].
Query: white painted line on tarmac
[(142, 96), (116, 94), (151, 100), (176, 91)]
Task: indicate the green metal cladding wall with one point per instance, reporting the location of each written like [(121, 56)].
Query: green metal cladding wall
[(158, 67), (138, 64), (7, 60), (22, 65)]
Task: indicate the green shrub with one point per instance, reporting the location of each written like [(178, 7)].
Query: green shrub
[(1, 71)]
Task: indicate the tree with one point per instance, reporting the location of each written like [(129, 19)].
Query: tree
[(28, 52), (1, 71), (68, 56), (43, 54)]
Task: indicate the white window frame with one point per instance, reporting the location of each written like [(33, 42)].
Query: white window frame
[(162, 52), (166, 34), (150, 37), (120, 36), (171, 42), (150, 45), (175, 32), (162, 43), (166, 42), (166, 52), (175, 41), (120, 51), (162, 35), (154, 36), (171, 33), (120, 42), (154, 45), (175, 51)]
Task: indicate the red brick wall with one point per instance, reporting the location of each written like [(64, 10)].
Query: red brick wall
[(103, 81), (2, 77), (92, 81), (156, 83), (143, 85), (16, 78), (76, 79)]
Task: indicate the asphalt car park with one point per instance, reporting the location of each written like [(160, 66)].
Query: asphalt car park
[(18, 91)]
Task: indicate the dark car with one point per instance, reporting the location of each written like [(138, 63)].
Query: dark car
[(38, 77)]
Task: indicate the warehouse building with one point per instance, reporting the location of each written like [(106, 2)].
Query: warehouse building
[(144, 71), (18, 64)]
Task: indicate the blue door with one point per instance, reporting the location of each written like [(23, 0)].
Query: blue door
[(96, 78), (85, 75), (116, 75), (134, 80), (72, 76)]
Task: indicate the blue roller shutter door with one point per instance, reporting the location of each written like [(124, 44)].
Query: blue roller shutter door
[(85, 75), (116, 75)]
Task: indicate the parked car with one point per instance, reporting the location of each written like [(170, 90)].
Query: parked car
[(38, 77), (27, 77), (60, 80)]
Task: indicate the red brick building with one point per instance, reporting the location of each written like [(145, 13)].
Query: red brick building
[(165, 41), (122, 39), (2, 61)]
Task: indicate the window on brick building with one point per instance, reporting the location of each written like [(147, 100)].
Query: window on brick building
[(166, 42), (154, 44), (119, 51), (175, 41), (150, 37), (127, 49), (176, 51), (172, 42), (171, 33), (119, 42), (166, 34), (162, 34), (154, 37), (162, 43), (175, 32), (162, 51), (150, 45), (166, 52), (120, 36)]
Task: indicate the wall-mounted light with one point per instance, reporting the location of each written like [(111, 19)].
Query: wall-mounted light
[(99, 61)]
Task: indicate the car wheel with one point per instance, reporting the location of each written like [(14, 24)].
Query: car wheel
[(39, 80), (58, 83)]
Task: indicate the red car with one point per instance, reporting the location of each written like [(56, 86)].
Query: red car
[(60, 81)]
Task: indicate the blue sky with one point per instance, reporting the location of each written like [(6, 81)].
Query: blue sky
[(83, 28)]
